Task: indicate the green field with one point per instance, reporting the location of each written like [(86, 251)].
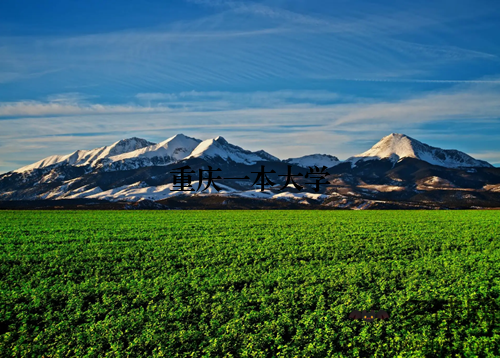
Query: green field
[(249, 283)]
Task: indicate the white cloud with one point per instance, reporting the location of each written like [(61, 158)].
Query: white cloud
[(473, 102), (73, 104), (16, 75), (259, 98), (264, 10), (60, 107), (249, 43), (402, 80), (490, 156), (464, 102), (252, 120)]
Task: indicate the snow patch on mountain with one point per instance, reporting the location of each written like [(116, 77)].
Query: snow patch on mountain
[(258, 194), (397, 146), (140, 191), (81, 192), (312, 160), (167, 152), (177, 147), (88, 157), (300, 196)]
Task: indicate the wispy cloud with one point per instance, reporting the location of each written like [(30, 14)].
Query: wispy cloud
[(72, 104), (264, 10), (6, 77), (56, 108), (242, 99), (473, 102), (374, 68), (470, 101), (402, 80), (247, 43), (492, 157), (281, 125)]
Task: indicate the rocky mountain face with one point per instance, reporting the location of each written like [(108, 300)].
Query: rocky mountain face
[(397, 172)]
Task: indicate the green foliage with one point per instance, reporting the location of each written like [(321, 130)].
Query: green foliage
[(249, 283)]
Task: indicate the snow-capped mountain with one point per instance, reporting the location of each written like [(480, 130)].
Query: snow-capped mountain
[(89, 157), (220, 148), (169, 151), (311, 160), (396, 146), (398, 171)]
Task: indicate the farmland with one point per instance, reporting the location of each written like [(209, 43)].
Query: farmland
[(249, 283)]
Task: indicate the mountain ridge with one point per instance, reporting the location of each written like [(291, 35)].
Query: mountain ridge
[(398, 171), (220, 147), (394, 146), (86, 157)]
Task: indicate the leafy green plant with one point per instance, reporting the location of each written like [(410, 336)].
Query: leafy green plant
[(249, 283)]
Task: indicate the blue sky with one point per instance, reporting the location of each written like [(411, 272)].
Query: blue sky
[(292, 77)]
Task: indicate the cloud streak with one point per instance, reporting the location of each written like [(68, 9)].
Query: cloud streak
[(40, 109), (402, 80), (246, 43), (274, 121), (464, 103), (478, 100), (491, 156), (353, 73)]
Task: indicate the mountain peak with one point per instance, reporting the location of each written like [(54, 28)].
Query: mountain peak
[(218, 147), (179, 136), (89, 157), (221, 140), (397, 135), (311, 160), (396, 146), (174, 148), (131, 139), (127, 145), (179, 139)]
